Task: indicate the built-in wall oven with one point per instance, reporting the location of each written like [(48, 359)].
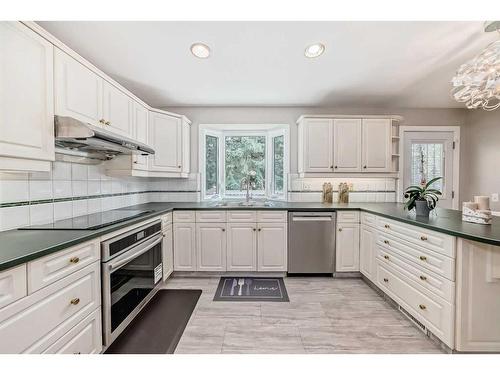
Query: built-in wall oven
[(131, 275)]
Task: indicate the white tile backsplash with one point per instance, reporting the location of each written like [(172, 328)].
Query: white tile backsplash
[(62, 189), (80, 207), (79, 188), (94, 187), (61, 171), (40, 189), (63, 210), (41, 213), (79, 172), (14, 191), (14, 217)]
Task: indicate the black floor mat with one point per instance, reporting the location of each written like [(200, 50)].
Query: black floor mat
[(265, 289), (159, 326)]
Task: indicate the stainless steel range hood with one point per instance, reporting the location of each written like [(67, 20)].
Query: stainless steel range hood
[(78, 139)]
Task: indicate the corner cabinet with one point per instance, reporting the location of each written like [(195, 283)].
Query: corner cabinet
[(26, 100)]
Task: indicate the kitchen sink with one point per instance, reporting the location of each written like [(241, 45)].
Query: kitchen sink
[(243, 204)]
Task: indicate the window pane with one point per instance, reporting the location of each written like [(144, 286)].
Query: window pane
[(427, 162), (278, 153), (245, 154), (211, 155)]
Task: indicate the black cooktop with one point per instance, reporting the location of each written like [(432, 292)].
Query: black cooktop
[(92, 221)]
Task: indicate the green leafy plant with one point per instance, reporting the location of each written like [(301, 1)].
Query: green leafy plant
[(422, 193)]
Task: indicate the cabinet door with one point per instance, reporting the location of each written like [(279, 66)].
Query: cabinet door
[(168, 252), (367, 253), (117, 110), (78, 90), (211, 246), (165, 137), (184, 247), (347, 145), (186, 147), (26, 94), (272, 247), (140, 119), (376, 149), (242, 246), (318, 143), (347, 248)]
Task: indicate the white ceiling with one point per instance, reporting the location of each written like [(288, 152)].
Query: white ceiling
[(369, 64)]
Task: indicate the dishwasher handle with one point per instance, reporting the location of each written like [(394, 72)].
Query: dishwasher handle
[(313, 216)]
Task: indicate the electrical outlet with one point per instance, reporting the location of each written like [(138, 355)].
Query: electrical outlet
[(494, 197)]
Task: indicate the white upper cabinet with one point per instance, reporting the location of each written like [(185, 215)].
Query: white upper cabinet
[(165, 134), (78, 90), (140, 118), (26, 99), (347, 145), (317, 142), (376, 151), (117, 110)]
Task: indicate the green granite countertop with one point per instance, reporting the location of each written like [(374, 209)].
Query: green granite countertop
[(21, 246)]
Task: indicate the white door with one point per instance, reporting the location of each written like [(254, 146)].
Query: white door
[(242, 246), (272, 247), (168, 252), (165, 137), (430, 154), (26, 94), (140, 119), (376, 145), (347, 248), (211, 246), (318, 145), (347, 145), (367, 253), (78, 90), (117, 110), (184, 247)]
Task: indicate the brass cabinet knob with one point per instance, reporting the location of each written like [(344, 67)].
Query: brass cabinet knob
[(386, 280), (74, 260), (423, 238), (422, 307), (423, 258), (386, 257), (75, 301), (340, 229), (386, 226), (260, 229), (423, 278), (386, 242), (102, 121), (108, 122)]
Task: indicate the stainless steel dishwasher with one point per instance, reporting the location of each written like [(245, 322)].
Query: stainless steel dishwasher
[(311, 242)]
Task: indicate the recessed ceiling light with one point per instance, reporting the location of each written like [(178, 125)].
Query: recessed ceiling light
[(314, 50), (200, 50)]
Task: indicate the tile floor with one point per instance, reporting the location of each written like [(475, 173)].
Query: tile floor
[(324, 315)]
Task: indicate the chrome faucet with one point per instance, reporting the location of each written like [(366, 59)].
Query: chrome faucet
[(246, 181)]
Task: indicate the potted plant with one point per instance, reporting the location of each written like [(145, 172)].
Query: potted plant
[(423, 198)]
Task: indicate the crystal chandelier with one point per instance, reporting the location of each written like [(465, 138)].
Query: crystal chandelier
[(477, 82)]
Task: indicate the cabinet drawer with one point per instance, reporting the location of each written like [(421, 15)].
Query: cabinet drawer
[(12, 285), (242, 216), (211, 216), (271, 216), (53, 267), (166, 219), (438, 242), (438, 285), (368, 219), (26, 325), (347, 216), (84, 338), (435, 313), (435, 262), (184, 216)]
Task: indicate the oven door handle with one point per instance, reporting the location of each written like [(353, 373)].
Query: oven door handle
[(141, 249)]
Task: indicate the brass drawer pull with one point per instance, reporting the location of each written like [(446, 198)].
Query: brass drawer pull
[(423, 278), (74, 260), (102, 121), (386, 242), (422, 307), (423, 258), (387, 226), (75, 301), (386, 280), (386, 257), (108, 123), (423, 238)]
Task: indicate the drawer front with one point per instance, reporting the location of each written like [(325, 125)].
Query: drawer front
[(242, 216), (166, 219), (210, 216), (437, 285), (84, 338), (347, 216), (368, 219), (49, 269), (438, 242), (184, 216), (434, 313), (271, 216), (26, 324), (435, 262), (12, 285)]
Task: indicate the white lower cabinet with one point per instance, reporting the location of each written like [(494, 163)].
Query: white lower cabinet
[(168, 251), (241, 246), (12, 285), (184, 246), (211, 246), (272, 247), (367, 252), (347, 247)]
